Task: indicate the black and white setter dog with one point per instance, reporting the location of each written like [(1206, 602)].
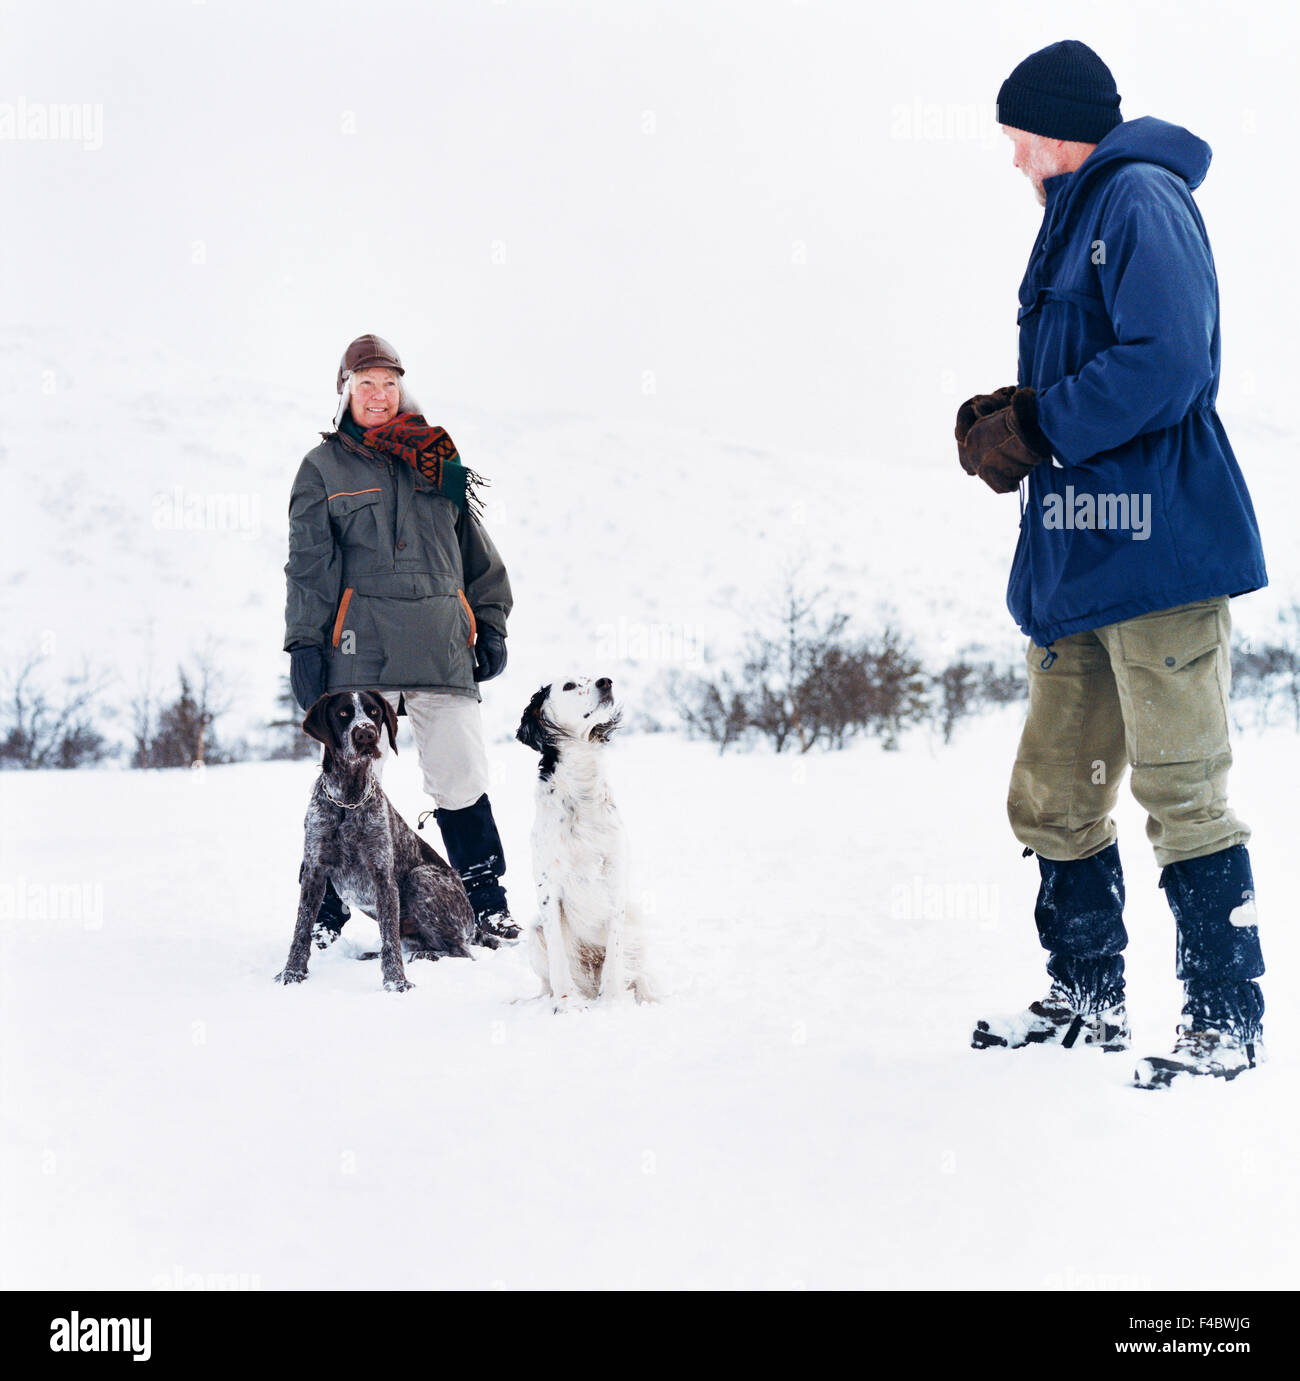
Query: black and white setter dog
[(586, 943), (357, 840)]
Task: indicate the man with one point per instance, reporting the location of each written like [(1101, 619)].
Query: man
[(1136, 529), (394, 586)]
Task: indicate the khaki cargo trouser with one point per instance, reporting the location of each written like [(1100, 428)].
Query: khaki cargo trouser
[(1150, 693)]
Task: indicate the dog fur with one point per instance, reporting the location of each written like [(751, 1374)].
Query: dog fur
[(357, 840), (586, 943)]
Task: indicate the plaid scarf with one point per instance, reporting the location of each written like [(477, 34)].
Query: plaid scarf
[(427, 450)]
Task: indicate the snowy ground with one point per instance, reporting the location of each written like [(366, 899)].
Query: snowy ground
[(804, 1109)]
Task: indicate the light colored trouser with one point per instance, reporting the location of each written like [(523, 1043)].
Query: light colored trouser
[(448, 733), (1152, 693)]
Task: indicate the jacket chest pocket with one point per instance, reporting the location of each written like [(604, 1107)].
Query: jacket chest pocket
[(355, 517), (430, 530)]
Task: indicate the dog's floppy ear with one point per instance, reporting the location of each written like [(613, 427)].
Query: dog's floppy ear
[(316, 725), (531, 731), (390, 721)]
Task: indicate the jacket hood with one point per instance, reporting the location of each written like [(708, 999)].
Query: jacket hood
[(1148, 140), (1145, 140)]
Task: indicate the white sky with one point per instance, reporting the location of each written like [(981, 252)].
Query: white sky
[(726, 196)]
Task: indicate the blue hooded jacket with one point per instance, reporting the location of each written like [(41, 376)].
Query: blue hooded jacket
[(1119, 336)]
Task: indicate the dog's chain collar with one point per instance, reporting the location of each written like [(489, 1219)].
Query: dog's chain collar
[(370, 791)]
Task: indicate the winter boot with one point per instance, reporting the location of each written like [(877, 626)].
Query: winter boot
[(333, 915), (1054, 1020), (1218, 959), (1213, 901), (474, 850), (1199, 1050), (1080, 918)]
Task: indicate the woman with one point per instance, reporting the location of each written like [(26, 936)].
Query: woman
[(394, 586)]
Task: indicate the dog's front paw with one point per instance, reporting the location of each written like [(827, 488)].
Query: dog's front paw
[(569, 1002), (397, 985), (287, 976)]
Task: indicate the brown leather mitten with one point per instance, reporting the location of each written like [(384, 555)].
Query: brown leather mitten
[(970, 412), (1006, 445)]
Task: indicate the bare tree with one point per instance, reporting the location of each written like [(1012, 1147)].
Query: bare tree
[(957, 687), (893, 685), (710, 709), (964, 687), (785, 669), (41, 729), (184, 735), (142, 713), (289, 741), (1000, 684), (803, 682), (1263, 673)]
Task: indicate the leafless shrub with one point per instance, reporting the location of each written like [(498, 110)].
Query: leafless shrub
[(963, 688), (41, 726), (804, 681), (287, 740), (183, 733), (1266, 675)]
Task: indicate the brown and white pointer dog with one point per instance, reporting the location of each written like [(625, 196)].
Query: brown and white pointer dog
[(357, 840)]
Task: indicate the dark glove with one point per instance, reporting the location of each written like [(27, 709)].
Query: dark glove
[(489, 654), (1005, 446), (307, 674), (970, 412)]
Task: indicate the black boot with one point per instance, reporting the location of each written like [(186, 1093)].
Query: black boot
[(1080, 918), (1213, 901), (330, 919), (474, 850)]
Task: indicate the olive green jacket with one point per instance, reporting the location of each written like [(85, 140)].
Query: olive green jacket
[(386, 575)]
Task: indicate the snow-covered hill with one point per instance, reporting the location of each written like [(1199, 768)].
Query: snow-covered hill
[(153, 526)]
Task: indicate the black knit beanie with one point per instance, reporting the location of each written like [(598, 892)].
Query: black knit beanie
[(1063, 91)]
